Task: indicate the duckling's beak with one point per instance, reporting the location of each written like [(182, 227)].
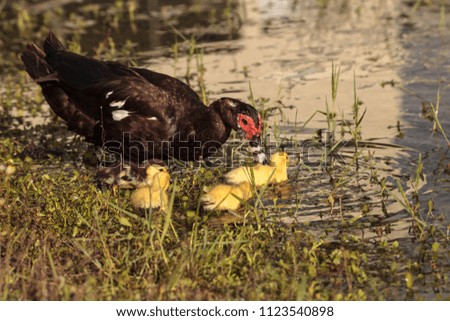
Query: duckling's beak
[(256, 150)]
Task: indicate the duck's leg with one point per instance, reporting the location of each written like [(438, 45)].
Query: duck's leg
[(124, 176)]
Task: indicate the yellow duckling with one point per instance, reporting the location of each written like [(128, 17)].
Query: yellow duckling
[(261, 174), (153, 194), (226, 197)]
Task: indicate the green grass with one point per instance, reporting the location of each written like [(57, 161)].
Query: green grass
[(61, 238)]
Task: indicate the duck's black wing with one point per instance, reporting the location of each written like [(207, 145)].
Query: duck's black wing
[(136, 118), (171, 85), (133, 110), (77, 72)]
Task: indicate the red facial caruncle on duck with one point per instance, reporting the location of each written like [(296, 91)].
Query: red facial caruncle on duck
[(249, 127)]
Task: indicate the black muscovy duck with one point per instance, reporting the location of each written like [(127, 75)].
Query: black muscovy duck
[(136, 114)]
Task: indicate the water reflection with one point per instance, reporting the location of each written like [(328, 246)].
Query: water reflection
[(147, 24), (426, 75), (287, 54)]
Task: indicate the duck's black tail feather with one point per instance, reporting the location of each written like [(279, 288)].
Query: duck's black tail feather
[(52, 45), (36, 65)]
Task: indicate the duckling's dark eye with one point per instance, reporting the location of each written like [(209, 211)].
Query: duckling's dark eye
[(161, 170)]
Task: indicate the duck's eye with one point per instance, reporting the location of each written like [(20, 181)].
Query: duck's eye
[(244, 121)]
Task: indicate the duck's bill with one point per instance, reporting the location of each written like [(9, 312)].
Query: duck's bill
[(257, 151)]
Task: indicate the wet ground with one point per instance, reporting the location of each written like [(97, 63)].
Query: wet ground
[(393, 57)]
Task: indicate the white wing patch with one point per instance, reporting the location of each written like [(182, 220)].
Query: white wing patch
[(118, 115), (109, 93), (152, 118), (117, 104)]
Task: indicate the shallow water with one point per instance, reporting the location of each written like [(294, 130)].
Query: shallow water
[(284, 51)]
